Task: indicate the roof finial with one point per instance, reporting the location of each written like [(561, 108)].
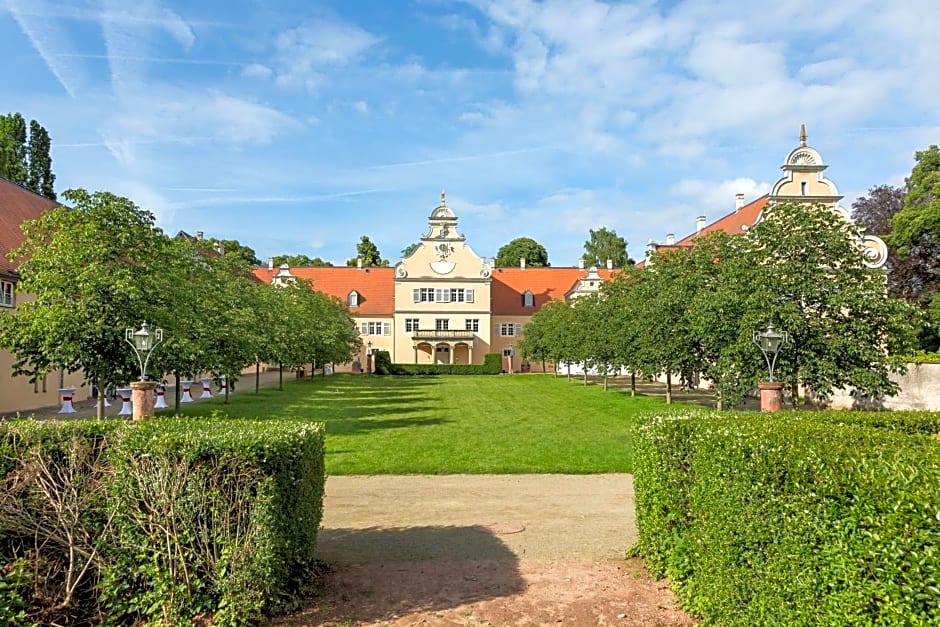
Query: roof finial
[(803, 135), (443, 198)]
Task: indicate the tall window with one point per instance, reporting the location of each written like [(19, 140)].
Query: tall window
[(441, 324), (442, 295), (411, 324), (803, 188), (528, 299), (423, 294), (6, 294), (472, 324), (509, 329)]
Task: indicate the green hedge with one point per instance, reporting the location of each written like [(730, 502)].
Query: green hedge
[(492, 364), (799, 519), (179, 518)]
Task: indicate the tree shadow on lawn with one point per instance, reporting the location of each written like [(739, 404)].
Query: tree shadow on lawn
[(392, 572), (352, 426)]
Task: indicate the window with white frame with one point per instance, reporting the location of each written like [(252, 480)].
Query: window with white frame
[(442, 324), (528, 299), (472, 324), (375, 328), (509, 352), (353, 299), (508, 329), (6, 294), (411, 324), (442, 295)]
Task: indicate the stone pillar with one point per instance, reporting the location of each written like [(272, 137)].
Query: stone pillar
[(771, 396), (142, 399)]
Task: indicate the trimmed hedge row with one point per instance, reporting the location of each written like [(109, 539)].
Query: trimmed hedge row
[(492, 364), (160, 521), (803, 519)]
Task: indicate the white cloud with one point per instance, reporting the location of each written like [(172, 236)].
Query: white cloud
[(303, 53), (257, 70), (718, 199), (360, 106)]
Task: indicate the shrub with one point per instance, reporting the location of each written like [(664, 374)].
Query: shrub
[(492, 364), (795, 520), (174, 518), (382, 363)]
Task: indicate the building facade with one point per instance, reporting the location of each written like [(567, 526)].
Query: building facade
[(803, 180), (17, 393), (443, 303)]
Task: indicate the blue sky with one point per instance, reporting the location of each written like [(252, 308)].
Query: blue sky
[(298, 126)]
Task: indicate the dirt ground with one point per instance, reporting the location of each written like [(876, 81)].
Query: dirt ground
[(483, 550)]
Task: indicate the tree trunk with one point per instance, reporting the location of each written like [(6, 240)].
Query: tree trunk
[(280, 377), (257, 376), (632, 383), (585, 375), (228, 382), (668, 388), (176, 392), (605, 379), (99, 402)]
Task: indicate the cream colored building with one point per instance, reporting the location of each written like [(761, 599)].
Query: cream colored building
[(444, 303), (17, 394)]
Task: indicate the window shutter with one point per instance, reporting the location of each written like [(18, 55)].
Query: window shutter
[(468, 295), (496, 329), (517, 329), (364, 328), (416, 294), (386, 328)]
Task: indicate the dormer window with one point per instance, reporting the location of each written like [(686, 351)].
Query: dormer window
[(802, 188), (353, 299), (6, 294), (528, 299)]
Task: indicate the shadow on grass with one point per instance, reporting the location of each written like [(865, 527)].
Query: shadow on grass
[(392, 572)]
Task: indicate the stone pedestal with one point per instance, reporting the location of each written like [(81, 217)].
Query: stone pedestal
[(125, 394), (142, 393), (771, 396), (67, 395)]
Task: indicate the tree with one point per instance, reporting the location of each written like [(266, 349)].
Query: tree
[(409, 249), (232, 248), (24, 158), (300, 261), (368, 253), (605, 244), (94, 270), (522, 247), (805, 274)]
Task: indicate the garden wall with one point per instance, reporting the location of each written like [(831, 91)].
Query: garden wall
[(920, 389)]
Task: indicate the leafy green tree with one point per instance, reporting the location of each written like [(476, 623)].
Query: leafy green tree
[(232, 248), (805, 274), (545, 336), (301, 261), (368, 253), (522, 247), (605, 244), (409, 249), (915, 232), (94, 270), (25, 159), (13, 155)]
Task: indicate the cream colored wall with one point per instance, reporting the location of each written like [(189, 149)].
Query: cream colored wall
[(814, 186), (427, 268), (17, 394)]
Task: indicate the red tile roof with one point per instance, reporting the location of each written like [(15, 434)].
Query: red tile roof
[(17, 205), (376, 286), (731, 224), (546, 284)]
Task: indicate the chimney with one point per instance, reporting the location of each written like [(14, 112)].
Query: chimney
[(699, 224), (580, 263), (610, 264), (270, 263), (199, 235), (522, 263), (738, 201), (670, 239), (359, 262)]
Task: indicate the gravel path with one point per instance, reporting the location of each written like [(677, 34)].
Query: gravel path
[(483, 550)]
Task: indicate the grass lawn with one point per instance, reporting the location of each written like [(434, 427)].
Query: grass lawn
[(456, 424)]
